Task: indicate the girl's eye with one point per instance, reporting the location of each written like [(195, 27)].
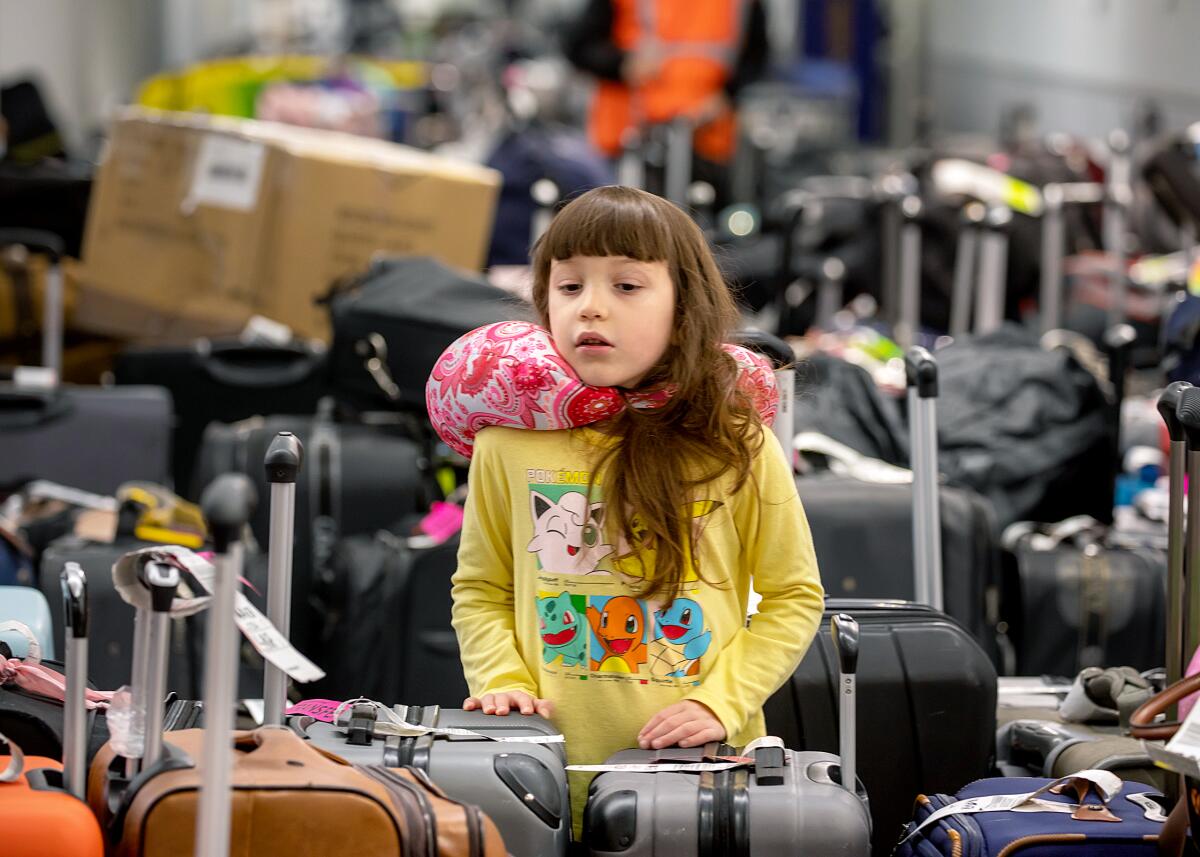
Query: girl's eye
[(628, 288), (568, 288)]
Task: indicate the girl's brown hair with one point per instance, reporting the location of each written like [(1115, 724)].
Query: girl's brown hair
[(708, 427)]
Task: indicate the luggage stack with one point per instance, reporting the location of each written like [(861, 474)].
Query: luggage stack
[(228, 528)]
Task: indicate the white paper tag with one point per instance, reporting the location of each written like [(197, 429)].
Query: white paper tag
[(228, 173), (256, 627), (1106, 783), (35, 378), (1186, 742)]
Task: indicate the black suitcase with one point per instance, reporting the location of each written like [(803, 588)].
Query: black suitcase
[(392, 324), (358, 478), (927, 717), (392, 600), (1084, 603), (111, 623), (92, 438), (224, 381), (926, 712), (879, 565)]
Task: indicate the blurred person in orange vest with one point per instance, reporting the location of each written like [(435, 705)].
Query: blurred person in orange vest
[(657, 60)]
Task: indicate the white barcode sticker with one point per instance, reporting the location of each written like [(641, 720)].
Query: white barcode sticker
[(228, 174)]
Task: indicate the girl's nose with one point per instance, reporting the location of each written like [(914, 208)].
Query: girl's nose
[(591, 304)]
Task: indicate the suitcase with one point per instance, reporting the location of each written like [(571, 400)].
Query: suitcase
[(391, 599), (1084, 602), (361, 477), (42, 811), (521, 786), (1139, 819), (275, 794), (92, 438), (787, 801), (968, 558), (29, 607), (392, 324), (928, 716), (224, 381), (112, 620)]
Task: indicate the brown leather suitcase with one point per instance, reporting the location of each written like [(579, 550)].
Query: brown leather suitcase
[(288, 799)]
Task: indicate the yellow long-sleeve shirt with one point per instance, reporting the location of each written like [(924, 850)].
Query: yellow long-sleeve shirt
[(544, 604)]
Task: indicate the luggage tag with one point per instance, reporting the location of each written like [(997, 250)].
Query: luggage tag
[(1106, 784), (392, 722), (16, 761), (256, 627)]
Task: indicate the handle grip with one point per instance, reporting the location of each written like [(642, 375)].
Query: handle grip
[(920, 370), (1168, 407), (34, 240), (844, 628), (75, 602), (770, 346), (228, 504), (1189, 415), (161, 579), (284, 457)]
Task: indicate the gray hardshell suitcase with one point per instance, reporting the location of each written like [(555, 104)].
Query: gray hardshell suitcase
[(785, 802), (522, 787)]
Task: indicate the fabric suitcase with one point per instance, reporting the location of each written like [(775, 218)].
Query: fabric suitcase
[(358, 478), (927, 712), (1034, 834), (224, 381), (111, 630), (392, 324), (1071, 606), (28, 606), (798, 807), (392, 600), (93, 438), (521, 786), (839, 507)]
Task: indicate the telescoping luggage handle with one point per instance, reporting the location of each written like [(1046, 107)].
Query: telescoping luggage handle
[(921, 374), (783, 361), (843, 628), (49, 244), (1168, 407), (228, 504), (282, 463), (75, 621)]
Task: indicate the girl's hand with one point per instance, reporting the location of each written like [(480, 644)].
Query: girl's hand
[(686, 724), (502, 703)]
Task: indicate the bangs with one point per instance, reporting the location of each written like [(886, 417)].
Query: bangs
[(610, 221)]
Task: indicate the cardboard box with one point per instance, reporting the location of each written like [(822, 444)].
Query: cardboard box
[(198, 222)]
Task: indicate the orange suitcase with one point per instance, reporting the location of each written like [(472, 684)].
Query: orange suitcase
[(39, 818)]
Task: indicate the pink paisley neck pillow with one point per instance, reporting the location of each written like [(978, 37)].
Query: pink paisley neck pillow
[(510, 374)]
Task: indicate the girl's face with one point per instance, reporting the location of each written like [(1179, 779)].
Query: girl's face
[(611, 317)]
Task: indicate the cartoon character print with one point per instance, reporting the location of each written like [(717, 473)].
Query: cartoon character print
[(562, 630), (618, 634), (567, 533), (627, 558), (681, 639)]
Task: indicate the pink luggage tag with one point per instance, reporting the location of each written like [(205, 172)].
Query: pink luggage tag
[(317, 709), (442, 522)]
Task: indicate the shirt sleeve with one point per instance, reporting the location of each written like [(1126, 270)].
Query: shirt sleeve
[(778, 554), (483, 612)]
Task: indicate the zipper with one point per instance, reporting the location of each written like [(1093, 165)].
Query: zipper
[(474, 814), (420, 820)]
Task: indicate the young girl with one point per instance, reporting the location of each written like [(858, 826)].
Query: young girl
[(604, 571)]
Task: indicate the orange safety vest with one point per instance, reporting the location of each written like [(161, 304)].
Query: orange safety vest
[(698, 40)]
